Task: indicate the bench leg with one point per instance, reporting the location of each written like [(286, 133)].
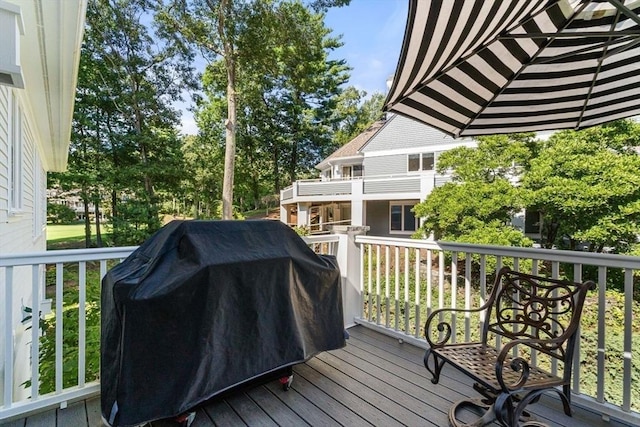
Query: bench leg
[(437, 365), (475, 405)]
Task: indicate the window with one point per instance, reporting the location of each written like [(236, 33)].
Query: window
[(15, 156), (349, 172), (402, 218), (421, 162)]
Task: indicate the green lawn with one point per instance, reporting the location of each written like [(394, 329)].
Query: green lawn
[(68, 236)]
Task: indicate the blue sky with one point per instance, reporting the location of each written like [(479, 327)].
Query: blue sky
[(372, 32)]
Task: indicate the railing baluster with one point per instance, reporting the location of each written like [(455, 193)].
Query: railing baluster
[(429, 291), (628, 334), (362, 251), (387, 285), (467, 297), (397, 289), (441, 288), (602, 307), (82, 323), (417, 296), (8, 337), (378, 284), (59, 324), (35, 332), (369, 281), (406, 291), (577, 277), (555, 273), (454, 294), (483, 288)]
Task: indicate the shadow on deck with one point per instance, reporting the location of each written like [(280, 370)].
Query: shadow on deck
[(374, 380)]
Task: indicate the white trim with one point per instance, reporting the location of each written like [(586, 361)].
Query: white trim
[(462, 142), (16, 157)]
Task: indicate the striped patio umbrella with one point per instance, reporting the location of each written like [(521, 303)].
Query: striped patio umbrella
[(475, 67)]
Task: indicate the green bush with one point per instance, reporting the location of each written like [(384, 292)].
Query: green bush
[(60, 214)]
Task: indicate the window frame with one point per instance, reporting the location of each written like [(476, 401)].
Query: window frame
[(403, 205), (411, 158)]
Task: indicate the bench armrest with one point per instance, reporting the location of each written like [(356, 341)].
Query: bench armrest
[(444, 326), (519, 364)]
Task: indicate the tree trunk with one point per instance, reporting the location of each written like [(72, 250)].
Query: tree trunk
[(97, 213), (87, 221), (276, 170), (230, 125)]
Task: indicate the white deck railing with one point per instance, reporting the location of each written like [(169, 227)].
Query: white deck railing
[(85, 268), (379, 281), (456, 275)]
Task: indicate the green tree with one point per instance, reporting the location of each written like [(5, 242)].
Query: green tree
[(287, 90), (354, 113), (124, 141), (477, 206), (221, 30), (586, 184), (60, 214)]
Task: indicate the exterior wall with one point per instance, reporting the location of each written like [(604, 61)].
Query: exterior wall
[(401, 132), (392, 186), (20, 231)]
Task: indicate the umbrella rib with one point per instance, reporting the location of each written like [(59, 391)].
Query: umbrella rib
[(625, 10), (585, 34), (522, 67), (597, 72), (631, 42)]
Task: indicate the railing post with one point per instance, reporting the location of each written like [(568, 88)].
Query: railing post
[(349, 261)]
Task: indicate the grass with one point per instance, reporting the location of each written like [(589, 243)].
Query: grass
[(69, 236)]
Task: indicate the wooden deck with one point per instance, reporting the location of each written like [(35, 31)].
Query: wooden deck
[(374, 380)]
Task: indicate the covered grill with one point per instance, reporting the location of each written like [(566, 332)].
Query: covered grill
[(203, 306)]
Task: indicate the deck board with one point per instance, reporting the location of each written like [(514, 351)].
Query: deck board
[(376, 380)]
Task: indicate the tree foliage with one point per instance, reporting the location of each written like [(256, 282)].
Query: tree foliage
[(586, 184), (477, 206), (124, 147), (286, 91)]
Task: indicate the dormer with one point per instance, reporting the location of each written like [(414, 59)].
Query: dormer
[(11, 28)]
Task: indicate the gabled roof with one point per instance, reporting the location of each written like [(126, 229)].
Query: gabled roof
[(353, 147)]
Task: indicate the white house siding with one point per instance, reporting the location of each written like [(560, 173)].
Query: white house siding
[(4, 155), (18, 232)]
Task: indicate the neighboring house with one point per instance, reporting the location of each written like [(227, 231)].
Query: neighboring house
[(73, 201), (39, 55), (374, 180)]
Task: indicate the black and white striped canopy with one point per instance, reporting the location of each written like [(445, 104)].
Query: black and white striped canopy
[(475, 67)]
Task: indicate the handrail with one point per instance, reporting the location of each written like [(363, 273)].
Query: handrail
[(591, 258)]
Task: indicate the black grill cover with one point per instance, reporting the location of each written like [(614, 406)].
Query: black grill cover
[(203, 306)]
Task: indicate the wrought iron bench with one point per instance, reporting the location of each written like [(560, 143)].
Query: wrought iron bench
[(527, 339)]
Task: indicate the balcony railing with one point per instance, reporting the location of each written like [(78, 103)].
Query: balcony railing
[(404, 280), (389, 284), (412, 184)]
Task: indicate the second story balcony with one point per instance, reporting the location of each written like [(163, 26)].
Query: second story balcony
[(408, 186)]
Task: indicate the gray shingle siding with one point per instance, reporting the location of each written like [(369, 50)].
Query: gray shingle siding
[(385, 165), (392, 186), (401, 132)]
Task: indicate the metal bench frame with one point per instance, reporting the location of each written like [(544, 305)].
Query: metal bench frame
[(525, 315)]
